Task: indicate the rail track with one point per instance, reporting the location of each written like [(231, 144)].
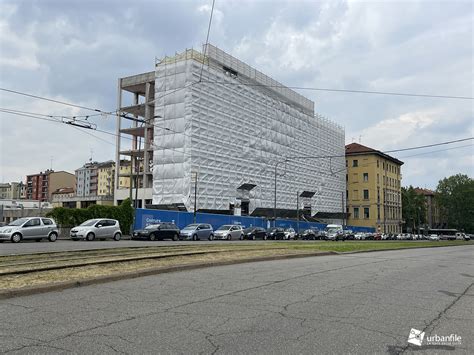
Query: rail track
[(36, 263)]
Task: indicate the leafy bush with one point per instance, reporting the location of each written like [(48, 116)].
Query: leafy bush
[(70, 217)]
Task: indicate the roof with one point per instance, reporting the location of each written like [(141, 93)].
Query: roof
[(64, 190), (426, 192), (359, 149)]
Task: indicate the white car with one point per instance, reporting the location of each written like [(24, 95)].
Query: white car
[(99, 228), (434, 237), (360, 236), (229, 232), (290, 233)]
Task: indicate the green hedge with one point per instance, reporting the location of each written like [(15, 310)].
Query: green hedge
[(70, 217)]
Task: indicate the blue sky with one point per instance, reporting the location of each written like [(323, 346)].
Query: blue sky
[(75, 51)]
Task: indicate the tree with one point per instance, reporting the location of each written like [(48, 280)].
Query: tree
[(455, 198), (413, 208)]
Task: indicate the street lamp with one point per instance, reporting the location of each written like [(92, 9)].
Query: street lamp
[(194, 178)]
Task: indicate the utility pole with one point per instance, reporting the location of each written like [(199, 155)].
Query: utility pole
[(342, 204), (298, 212), (137, 168), (194, 176)]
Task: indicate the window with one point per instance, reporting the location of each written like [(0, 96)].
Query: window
[(378, 176), (347, 194), (355, 195), (377, 163), (366, 194), (46, 221), (355, 163), (366, 177), (356, 212), (378, 213), (347, 177), (346, 163), (366, 212)]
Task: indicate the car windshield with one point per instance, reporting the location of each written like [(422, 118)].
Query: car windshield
[(18, 222), (89, 222), (333, 229), (250, 229), (224, 228), (191, 226), (152, 226)]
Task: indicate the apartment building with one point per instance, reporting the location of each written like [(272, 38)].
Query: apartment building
[(41, 186), (373, 192), (432, 212), (11, 191)]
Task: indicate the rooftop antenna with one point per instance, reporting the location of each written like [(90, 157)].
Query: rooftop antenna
[(51, 167), (92, 152)]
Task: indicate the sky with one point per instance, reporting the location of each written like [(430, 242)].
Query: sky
[(75, 51)]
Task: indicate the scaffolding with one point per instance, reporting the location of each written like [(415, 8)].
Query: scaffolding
[(217, 117)]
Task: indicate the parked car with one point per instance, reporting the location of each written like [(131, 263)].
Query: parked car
[(253, 233), (160, 231), (434, 237), (310, 234), (334, 232), (34, 228), (97, 228), (290, 233), (463, 236), (276, 233), (360, 236), (197, 231), (229, 232)]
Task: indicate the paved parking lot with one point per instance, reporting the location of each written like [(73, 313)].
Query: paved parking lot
[(360, 304)]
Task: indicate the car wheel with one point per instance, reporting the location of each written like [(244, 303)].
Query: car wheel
[(90, 237), (253, 237), (152, 237), (175, 237), (195, 237), (16, 238), (241, 237), (211, 237), (264, 237), (53, 237), (229, 237), (117, 237)]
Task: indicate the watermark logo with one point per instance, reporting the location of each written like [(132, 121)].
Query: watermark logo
[(451, 339), (416, 336)]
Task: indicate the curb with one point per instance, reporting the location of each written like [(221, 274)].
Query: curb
[(27, 291)]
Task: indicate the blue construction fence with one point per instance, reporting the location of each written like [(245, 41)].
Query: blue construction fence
[(145, 217)]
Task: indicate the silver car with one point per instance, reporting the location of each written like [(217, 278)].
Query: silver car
[(99, 228), (35, 228), (229, 232), (197, 231)]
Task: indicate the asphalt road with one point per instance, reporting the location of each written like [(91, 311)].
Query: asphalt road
[(359, 303)]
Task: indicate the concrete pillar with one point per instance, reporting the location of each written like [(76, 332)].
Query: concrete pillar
[(117, 140)]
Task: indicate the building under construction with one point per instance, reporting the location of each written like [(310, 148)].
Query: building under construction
[(208, 129)]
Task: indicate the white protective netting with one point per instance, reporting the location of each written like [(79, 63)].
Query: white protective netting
[(233, 134)]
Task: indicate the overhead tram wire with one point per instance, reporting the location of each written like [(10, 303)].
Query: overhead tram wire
[(341, 90), (436, 151), (84, 130), (47, 118)]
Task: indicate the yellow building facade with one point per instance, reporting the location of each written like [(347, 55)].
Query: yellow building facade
[(373, 189), (106, 174)]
